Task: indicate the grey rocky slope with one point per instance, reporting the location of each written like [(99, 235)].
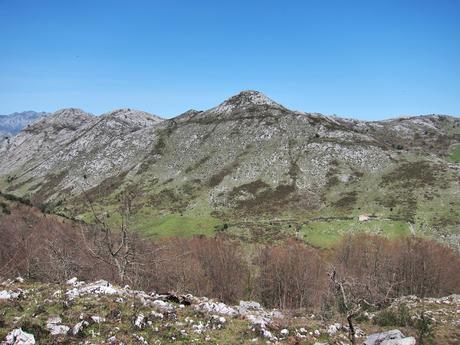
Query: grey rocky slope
[(71, 145), (247, 158)]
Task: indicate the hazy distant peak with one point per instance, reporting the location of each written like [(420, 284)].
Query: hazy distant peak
[(13, 123), (25, 114)]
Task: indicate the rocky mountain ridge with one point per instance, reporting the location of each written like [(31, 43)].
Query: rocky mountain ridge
[(246, 159)]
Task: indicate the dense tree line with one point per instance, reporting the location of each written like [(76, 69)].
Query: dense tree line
[(290, 274)]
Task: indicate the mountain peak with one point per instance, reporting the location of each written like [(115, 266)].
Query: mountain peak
[(133, 116), (70, 118), (245, 99), (66, 113)]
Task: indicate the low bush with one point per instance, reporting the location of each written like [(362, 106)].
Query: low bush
[(394, 318)]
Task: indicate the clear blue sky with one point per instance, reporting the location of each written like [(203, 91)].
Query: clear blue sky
[(363, 59)]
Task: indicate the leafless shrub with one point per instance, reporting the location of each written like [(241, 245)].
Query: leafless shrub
[(204, 266), (411, 266), (292, 275)]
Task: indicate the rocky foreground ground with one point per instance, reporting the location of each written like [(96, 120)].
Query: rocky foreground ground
[(101, 313)]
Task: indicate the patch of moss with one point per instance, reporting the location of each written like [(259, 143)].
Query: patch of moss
[(454, 153), (175, 225), (325, 233)]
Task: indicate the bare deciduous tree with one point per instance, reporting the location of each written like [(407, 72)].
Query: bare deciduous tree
[(349, 295), (292, 275), (113, 244)]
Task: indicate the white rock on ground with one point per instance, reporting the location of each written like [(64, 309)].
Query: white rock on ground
[(403, 341), (252, 311), (139, 322), (72, 281), (79, 327), (98, 287), (216, 307), (53, 325), (393, 337), (156, 315), (248, 306), (163, 306), (19, 337), (97, 319), (4, 294), (333, 329)]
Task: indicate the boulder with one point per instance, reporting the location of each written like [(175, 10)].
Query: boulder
[(333, 329), (176, 298), (216, 307), (246, 307), (53, 324), (19, 337), (393, 337), (7, 294), (139, 322), (78, 328), (403, 341)]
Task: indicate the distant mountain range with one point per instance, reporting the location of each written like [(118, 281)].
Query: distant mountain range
[(13, 123), (249, 167)]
